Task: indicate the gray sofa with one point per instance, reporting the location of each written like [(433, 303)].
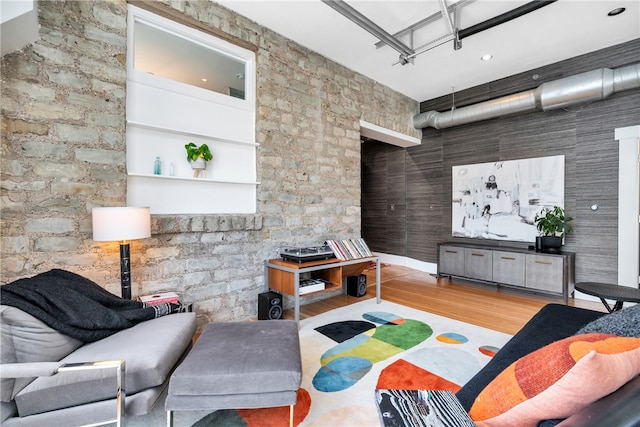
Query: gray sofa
[(36, 392)]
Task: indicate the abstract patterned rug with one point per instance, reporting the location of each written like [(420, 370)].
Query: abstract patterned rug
[(348, 353)]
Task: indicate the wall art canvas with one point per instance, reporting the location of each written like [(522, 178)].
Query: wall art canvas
[(499, 200)]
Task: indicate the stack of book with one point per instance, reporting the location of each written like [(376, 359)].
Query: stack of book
[(160, 298), (349, 249)]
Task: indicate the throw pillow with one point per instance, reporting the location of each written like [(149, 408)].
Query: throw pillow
[(625, 323), (557, 380)]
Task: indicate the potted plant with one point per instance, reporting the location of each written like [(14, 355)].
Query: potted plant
[(198, 156), (553, 225)]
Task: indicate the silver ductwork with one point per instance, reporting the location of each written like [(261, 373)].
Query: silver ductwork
[(586, 87)]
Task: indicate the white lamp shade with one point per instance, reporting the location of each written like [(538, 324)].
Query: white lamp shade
[(121, 223)]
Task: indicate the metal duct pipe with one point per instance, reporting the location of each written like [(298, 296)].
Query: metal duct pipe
[(505, 17), (586, 87)]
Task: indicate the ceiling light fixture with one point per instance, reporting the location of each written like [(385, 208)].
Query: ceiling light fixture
[(204, 80), (486, 57), (616, 11)]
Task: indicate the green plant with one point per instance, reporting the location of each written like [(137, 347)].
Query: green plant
[(553, 222), (193, 152)]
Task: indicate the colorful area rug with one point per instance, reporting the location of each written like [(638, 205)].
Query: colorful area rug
[(348, 353)]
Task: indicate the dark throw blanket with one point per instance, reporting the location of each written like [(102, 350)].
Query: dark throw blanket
[(76, 306)]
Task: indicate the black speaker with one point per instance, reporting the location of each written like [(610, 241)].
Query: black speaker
[(269, 306), (357, 285)]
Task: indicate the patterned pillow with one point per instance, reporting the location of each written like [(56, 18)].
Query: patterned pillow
[(557, 380)]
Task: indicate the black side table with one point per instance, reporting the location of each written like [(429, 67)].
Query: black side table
[(606, 290)]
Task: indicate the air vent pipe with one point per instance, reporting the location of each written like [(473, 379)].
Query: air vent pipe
[(505, 17), (586, 87)]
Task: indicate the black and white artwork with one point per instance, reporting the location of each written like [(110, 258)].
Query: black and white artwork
[(499, 200)]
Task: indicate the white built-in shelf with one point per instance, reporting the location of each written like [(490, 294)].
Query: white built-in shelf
[(189, 178), (186, 133)]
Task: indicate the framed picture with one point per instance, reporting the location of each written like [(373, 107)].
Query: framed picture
[(499, 200)]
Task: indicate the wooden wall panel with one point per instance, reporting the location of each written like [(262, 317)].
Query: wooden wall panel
[(396, 202), (373, 195), (583, 134), (424, 204), (383, 197)]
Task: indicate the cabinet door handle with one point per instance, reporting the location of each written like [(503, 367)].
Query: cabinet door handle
[(451, 252), (544, 262), (477, 254), (508, 258)]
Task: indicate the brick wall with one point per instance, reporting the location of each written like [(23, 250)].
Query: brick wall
[(63, 152)]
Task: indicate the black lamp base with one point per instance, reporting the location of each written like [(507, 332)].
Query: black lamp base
[(125, 270)]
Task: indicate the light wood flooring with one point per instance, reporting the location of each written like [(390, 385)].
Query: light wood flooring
[(502, 309)]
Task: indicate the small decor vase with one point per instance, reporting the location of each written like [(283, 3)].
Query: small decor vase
[(199, 165)]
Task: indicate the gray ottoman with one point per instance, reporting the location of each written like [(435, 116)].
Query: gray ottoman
[(239, 365)]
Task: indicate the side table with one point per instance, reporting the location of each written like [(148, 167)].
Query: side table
[(606, 290), (284, 276)]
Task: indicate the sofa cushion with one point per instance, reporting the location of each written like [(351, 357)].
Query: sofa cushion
[(150, 349), (558, 380), (248, 358), (23, 338), (552, 323), (624, 323)]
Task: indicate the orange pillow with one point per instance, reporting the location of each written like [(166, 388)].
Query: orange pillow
[(557, 380)]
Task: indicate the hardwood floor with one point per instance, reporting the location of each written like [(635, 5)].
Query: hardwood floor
[(502, 309)]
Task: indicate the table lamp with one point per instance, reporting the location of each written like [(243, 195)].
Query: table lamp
[(123, 224)]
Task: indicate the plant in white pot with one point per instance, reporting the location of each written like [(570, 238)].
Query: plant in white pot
[(198, 156), (553, 225)]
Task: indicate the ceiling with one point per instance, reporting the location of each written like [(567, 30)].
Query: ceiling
[(560, 30)]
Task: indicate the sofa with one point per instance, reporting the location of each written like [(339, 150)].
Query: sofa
[(54, 379), (557, 324)]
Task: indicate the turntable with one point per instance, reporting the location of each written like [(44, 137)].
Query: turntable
[(312, 253)]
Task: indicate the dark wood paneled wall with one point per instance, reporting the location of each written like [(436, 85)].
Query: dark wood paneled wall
[(583, 134), (384, 189)]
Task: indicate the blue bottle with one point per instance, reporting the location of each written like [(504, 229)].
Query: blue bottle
[(157, 167)]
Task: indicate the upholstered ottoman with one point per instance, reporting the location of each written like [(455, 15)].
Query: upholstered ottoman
[(239, 365)]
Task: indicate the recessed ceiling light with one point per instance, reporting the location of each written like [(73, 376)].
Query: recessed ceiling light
[(204, 80), (486, 57), (617, 11)]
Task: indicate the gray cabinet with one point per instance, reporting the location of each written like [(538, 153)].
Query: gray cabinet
[(545, 273), (478, 263), (509, 268), (451, 260), (522, 268)]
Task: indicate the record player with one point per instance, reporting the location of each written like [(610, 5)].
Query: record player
[(306, 254)]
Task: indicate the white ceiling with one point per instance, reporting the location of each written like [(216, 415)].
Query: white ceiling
[(561, 30)]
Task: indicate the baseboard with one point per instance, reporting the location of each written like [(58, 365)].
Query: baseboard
[(427, 267)]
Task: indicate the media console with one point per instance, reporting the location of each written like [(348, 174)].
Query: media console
[(284, 276), (550, 273)]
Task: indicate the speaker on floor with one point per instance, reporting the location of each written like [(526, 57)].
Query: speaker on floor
[(357, 285), (269, 306)]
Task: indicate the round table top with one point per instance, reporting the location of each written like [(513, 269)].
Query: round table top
[(607, 290)]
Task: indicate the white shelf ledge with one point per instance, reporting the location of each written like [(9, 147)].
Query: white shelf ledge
[(188, 178), (389, 136), (191, 134)]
